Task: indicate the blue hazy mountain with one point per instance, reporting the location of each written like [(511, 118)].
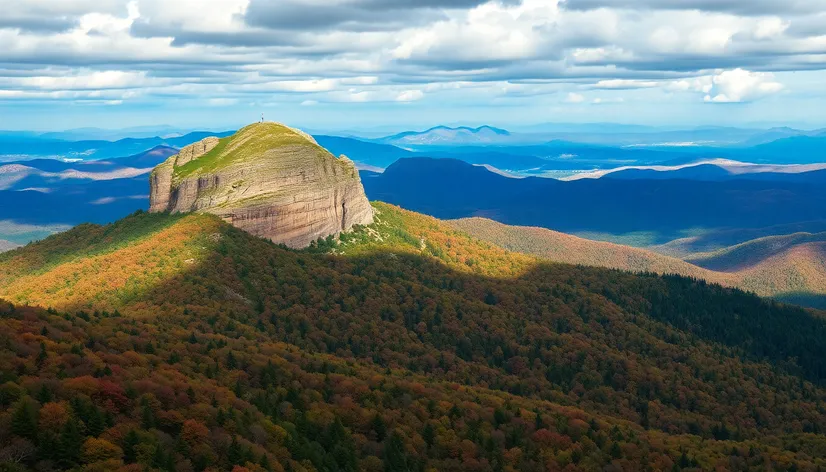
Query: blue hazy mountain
[(38, 197), (606, 134), (51, 175), (363, 152), (717, 172), (594, 205), (15, 147), (444, 135), (98, 134)]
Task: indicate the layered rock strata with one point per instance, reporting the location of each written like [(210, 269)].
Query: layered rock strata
[(269, 180)]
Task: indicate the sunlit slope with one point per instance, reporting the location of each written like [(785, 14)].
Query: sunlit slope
[(145, 256), (773, 267), (409, 309), (752, 253), (105, 267), (568, 249)]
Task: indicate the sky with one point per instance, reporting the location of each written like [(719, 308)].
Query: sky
[(404, 64)]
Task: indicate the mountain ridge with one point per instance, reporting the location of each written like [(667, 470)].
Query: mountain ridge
[(268, 179), (665, 208), (445, 135), (789, 267), (434, 323)]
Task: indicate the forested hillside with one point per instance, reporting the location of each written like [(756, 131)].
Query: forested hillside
[(791, 268), (181, 343)]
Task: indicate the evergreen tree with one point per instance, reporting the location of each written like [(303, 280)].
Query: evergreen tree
[(147, 416), (159, 460), (428, 434), (130, 442), (24, 420), (265, 463), (234, 453), (395, 457), (378, 426), (41, 356), (44, 395), (95, 423), (69, 444)]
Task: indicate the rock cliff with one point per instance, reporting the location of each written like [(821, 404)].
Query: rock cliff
[(269, 180)]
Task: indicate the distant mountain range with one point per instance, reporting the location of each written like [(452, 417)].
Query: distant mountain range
[(791, 267), (443, 135), (50, 175), (366, 154), (40, 196), (714, 169), (15, 147), (599, 134), (105, 186), (665, 208), (97, 134)]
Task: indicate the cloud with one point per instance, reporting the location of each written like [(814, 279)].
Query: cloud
[(49, 16), (410, 96), (498, 52), (739, 7), (699, 84), (605, 101), (349, 15), (742, 86), (624, 84), (574, 98), (38, 24)]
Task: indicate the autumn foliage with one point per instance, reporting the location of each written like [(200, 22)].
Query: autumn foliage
[(180, 343)]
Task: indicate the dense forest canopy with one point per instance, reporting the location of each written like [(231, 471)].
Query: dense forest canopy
[(179, 343)]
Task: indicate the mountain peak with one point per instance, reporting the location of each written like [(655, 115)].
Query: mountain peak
[(445, 135), (480, 129), (269, 179)]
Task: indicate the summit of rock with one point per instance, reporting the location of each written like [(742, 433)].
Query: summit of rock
[(268, 179)]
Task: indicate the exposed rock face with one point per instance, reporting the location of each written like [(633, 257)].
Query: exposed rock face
[(196, 150), (267, 179)]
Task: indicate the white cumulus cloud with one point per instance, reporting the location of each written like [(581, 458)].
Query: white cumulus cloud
[(740, 85)]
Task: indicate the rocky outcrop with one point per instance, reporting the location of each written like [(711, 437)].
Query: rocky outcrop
[(196, 150), (269, 180)]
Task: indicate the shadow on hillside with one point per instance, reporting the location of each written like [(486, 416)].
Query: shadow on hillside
[(804, 299), (328, 303), (527, 334)]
